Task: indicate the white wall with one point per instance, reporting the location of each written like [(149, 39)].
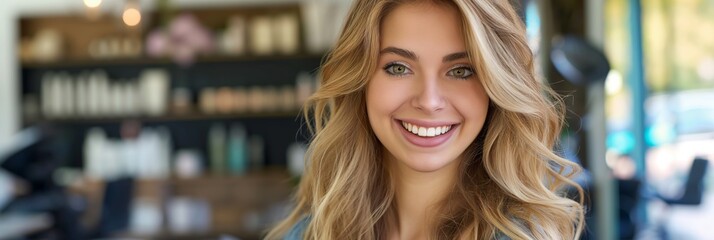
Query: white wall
[(8, 71)]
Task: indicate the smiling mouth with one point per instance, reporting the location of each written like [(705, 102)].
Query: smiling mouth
[(426, 131)]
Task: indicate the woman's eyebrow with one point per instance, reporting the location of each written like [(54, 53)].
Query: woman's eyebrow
[(401, 52), (454, 56), (411, 55)]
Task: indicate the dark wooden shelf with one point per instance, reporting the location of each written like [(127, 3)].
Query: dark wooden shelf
[(267, 174), (257, 182), (168, 118), (230, 196), (147, 61)]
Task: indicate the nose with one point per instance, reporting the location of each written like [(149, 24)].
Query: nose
[(429, 96)]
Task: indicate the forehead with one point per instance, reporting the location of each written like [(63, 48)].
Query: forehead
[(417, 25)]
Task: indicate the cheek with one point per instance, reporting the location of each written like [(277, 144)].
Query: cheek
[(471, 101), (377, 106), (383, 97), (372, 98), (374, 108)]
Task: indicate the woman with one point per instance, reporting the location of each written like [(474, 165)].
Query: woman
[(430, 124)]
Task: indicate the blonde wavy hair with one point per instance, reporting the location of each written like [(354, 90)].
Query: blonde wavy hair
[(511, 182)]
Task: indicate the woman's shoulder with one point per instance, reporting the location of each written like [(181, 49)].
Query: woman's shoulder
[(297, 231)]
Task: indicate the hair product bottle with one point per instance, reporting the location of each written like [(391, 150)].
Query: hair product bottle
[(217, 148), (237, 150)]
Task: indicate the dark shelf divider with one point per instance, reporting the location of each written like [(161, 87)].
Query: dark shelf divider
[(144, 61), (166, 118)]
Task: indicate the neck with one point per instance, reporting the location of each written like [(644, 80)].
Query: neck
[(418, 197)]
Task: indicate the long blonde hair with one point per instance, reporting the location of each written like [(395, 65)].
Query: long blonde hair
[(511, 181)]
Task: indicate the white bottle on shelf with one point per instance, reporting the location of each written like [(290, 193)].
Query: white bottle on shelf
[(287, 35), (66, 99), (103, 96), (111, 160), (154, 91), (315, 24), (233, 40), (149, 163), (81, 95), (117, 99), (94, 144), (46, 95), (57, 109), (131, 96), (126, 102), (93, 96), (127, 151), (261, 35)]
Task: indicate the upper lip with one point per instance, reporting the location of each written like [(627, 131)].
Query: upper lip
[(425, 123)]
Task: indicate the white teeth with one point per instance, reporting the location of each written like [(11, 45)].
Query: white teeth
[(431, 132), (424, 131)]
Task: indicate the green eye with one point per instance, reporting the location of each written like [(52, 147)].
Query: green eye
[(461, 72), (396, 69)]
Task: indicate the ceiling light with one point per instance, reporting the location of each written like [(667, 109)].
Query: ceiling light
[(131, 17), (92, 3)]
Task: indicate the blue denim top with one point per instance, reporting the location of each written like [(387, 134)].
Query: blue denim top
[(298, 230)]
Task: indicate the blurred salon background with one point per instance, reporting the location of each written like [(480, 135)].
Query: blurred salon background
[(180, 119)]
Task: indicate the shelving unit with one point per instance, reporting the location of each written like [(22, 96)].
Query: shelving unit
[(217, 70), (280, 127), (230, 196), (84, 63)]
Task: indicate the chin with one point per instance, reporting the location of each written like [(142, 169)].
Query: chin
[(426, 164)]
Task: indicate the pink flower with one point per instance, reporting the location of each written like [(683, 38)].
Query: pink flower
[(185, 38)]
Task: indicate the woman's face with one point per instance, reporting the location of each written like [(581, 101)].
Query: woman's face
[(424, 101)]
